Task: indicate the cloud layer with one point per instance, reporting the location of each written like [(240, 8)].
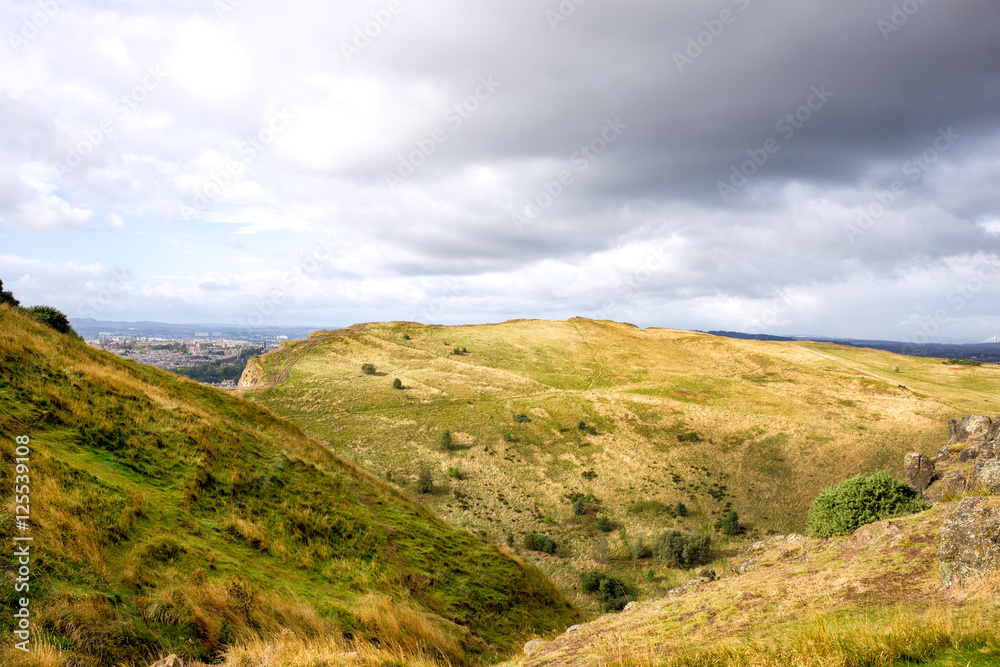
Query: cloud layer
[(820, 168)]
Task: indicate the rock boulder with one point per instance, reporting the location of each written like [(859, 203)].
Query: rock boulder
[(970, 540)]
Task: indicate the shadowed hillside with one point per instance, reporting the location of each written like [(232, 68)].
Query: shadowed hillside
[(543, 413), (168, 517)]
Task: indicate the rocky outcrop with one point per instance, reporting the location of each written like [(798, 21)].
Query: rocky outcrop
[(170, 661), (253, 375), (969, 462), (774, 550), (970, 540)]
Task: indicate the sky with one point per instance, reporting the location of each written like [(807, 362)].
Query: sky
[(821, 168)]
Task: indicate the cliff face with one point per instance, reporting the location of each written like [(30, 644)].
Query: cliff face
[(253, 375)]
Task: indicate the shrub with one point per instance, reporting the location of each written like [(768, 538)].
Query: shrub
[(454, 473), (680, 509), (589, 475), (8, 297), (862, 499), (612, 592), (603, 524), (522, 418), (683, 550), (425, 483), (446, 442), (708, 574), (50, 317), (582, 504), (368, 369), (406, 336), (640, 549), (582, 425), (539, 542), (964, 362), (689, 436), (507, 437), (397, 384), (730, 524), (649, 507)]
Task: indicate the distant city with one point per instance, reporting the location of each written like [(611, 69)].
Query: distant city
[(211, 353)]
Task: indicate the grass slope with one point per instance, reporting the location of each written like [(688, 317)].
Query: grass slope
[(873, 598), (717, 423), (171, 517)]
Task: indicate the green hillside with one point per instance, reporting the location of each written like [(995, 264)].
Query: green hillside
[(168, 517), (667, 416)]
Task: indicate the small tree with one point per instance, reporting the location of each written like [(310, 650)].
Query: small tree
[(8, 297), (446, 442), (680, 509), (603, 524), (368, 369), (425, 483), (730, 524), (397, 384)]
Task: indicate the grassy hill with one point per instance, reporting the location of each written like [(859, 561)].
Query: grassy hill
[(168, 517), (667, 416)]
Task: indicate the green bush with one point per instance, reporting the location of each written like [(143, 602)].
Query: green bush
[(368, 369), (681, 509), (522, 418), (454, 473), (640, 549), (8, 297), (612, 592), (425, 483), (730, 524), (860, 500), (397, 384), (539, 542), (446, 442), (603, 524), (683, 550), (50, 317)]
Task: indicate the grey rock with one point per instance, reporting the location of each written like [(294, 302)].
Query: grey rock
[(919, 471), (973, 428), (170, 661), (970, 540)]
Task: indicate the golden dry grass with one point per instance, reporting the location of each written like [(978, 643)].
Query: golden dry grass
[(774, 423)]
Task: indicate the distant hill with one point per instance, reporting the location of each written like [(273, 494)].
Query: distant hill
[(168, 517), (543, 413), (984, 352)]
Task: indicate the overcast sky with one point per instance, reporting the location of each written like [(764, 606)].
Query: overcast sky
[(810, 167)]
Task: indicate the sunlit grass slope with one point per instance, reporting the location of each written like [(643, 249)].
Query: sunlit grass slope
[(717, 423), (169, 517), (874, 598)]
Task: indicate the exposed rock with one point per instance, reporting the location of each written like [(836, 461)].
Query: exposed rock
[(780, 548), (534, 647), (692, 583), (919, 471), (969, 462), (970, 540), (988, 473), (972, 429), (170, 661)]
